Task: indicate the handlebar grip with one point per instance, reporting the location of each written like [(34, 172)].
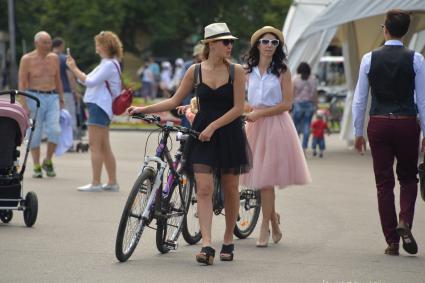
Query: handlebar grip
[(189, 131)]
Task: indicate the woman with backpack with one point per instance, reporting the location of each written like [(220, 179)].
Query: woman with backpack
[(221, 145), (103, 84)]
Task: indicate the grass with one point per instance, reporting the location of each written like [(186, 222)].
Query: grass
[(132, 126)]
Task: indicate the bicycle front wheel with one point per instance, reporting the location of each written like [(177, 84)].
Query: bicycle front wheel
[(249, 210), (174, 209), (132, 225)]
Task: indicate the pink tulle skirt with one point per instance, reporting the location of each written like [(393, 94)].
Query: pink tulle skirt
[(277, 157)]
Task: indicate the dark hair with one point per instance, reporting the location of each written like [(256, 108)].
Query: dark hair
[(278, 64), (304, 70), (57, 41), (397, 22)]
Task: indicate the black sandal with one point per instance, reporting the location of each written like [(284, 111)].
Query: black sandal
[(226, 253), (206, 256)]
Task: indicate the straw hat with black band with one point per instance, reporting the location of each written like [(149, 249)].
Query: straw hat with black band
[(217, 31), (267, 29), (197, 49)]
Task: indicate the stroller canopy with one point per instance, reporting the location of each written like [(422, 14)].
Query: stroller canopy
[(16, 112)]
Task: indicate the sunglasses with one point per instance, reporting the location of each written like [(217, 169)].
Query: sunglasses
[(272, 42), (226, 42)]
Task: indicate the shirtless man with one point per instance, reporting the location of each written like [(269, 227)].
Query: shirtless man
[(39, 75)]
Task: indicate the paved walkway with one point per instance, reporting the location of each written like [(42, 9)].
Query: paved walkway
[(331, 230)]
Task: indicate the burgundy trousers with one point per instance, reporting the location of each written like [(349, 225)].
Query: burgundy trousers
[(391, 139)]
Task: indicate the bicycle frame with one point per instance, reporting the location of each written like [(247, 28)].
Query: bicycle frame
[(162, 153)]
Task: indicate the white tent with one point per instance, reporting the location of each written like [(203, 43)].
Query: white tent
[(312, 24)]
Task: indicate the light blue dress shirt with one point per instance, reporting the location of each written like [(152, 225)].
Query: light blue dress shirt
[(362, 89)]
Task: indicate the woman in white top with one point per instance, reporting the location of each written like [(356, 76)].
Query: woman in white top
[(278, 159), (103, 84)]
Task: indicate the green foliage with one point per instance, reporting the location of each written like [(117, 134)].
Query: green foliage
[(76, 21), (170, 27)]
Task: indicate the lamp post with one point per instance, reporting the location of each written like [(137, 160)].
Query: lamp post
[(12, 42)]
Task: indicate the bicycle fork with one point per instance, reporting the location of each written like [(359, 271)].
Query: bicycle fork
[(157, 183)]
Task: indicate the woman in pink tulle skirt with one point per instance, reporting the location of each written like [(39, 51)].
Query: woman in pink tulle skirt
[(278, 159)]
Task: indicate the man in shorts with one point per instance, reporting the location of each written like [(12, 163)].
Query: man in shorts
[(39, 75)]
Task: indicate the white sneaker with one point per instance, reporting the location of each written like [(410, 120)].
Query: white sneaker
[(111, 188), (90, 188)]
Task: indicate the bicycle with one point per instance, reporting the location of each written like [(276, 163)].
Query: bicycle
[(150, 199), (249, 211)]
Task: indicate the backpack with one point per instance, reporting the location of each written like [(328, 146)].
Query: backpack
[(122, 101)]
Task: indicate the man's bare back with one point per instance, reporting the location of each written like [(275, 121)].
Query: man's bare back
[(39, 72)]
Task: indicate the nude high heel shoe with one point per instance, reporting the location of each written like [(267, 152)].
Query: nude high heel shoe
[(276, 233)]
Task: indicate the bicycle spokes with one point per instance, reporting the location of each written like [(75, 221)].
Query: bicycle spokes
[(249, 210), (134, 221)]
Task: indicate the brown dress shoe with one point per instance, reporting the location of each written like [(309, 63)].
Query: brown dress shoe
[(392, 249), (409, 243)]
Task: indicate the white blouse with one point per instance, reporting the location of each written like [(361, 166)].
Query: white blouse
[(96, 91), (263, 91)]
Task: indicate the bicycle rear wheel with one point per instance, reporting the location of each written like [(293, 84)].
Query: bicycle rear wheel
[(132, 225), (191, 231), (249, 210), (174, 209)]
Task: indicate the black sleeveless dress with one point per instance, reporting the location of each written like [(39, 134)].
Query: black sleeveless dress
[(228, 150)]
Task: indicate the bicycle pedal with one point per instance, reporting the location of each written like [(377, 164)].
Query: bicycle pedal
[(171, 244)]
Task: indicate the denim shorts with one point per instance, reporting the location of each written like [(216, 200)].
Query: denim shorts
[(97, 117), (47, 119)]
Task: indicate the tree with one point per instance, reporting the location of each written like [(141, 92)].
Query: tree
[(167, 28), (76, 21)]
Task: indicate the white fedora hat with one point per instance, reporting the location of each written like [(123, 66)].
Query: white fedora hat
[(217, 31)]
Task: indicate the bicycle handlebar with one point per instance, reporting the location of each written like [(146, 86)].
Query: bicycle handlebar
[(154, 119), (146, 117)]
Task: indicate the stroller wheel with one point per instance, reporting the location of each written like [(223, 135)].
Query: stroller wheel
[(6, 215), (85, 147), (31, 209), (79, 147)]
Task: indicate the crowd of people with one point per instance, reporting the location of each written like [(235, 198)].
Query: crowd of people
[(160, 80), (265, 154)]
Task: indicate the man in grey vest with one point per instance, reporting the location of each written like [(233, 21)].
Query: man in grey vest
[(396, 78)]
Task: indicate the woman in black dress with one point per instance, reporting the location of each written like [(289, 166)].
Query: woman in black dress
[(222, 145)]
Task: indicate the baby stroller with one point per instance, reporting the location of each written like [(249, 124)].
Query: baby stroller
[(14, 122)]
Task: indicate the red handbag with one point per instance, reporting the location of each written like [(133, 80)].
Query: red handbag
[(122, 101)]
